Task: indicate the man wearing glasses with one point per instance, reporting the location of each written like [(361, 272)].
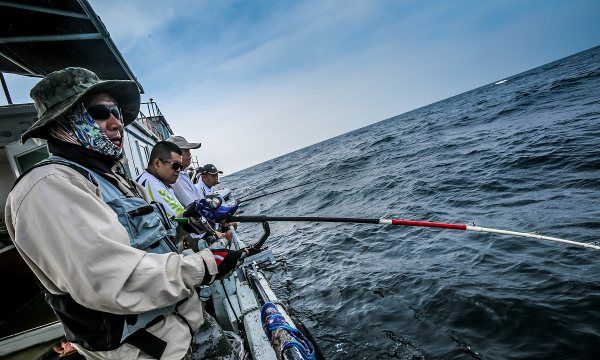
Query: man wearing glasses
[(163, 169), (103, 253), (186, 193)]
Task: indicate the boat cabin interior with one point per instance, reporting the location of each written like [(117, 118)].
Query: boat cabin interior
[(23, 306), (38, 37)]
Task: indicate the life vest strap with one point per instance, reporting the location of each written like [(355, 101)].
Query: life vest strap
[(147, 342)]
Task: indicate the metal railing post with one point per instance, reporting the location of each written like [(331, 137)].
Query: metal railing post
[(5, 87)]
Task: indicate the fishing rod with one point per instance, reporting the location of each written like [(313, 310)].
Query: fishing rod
[(241, 200), (404, 222)]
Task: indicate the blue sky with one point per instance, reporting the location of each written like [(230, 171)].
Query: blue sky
[(253, 80)]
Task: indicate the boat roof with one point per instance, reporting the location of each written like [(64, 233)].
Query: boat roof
[(38, 37)]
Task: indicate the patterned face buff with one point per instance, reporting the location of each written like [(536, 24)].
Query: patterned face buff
[(79, 128)]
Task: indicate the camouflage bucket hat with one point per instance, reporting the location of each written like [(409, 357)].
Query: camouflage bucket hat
[(60, 90)]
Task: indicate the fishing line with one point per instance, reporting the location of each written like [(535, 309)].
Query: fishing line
[(241, 200), (269, 186)]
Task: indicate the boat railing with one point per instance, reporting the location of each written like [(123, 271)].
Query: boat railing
[(152, 119)]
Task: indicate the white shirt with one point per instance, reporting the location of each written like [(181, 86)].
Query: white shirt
[(203, 189), (160, 193), (185, 191)]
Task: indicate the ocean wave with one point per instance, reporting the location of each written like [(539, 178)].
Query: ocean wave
[(567, 83), (522, 156)]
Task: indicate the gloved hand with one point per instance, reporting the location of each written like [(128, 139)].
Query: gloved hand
[(227, 259)]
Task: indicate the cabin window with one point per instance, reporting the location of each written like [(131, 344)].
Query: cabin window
[(26, 160)]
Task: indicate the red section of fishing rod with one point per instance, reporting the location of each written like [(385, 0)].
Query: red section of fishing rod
[(423, 224)]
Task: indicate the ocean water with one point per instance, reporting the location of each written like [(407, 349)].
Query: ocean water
[(522, 155)]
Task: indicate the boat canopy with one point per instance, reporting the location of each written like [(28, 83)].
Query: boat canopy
[(41, 36)]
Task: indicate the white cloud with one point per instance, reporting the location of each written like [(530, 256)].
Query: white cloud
[(253, 83), (254, 86), (249, 125), (131, 22)]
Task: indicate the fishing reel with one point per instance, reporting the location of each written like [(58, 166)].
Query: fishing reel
[(196, 224), (211, 208)]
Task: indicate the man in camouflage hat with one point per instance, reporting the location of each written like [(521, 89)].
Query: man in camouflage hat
[(103, 253)]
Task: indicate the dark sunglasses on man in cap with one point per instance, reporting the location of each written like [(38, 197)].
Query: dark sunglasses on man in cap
[(102, 112), (174, 164)]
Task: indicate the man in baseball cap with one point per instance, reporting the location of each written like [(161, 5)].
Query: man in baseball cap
[(186, 193), (209, 177), (183, 143), (184, 189)]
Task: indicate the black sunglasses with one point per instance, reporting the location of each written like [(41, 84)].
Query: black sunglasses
[(174, 164), (102, 112)]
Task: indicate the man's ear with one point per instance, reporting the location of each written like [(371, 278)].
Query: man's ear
[(155, 163)]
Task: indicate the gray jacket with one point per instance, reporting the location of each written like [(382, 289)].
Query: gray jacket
[(75, 244)]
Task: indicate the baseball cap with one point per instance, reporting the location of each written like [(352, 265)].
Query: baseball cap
[(210, 169), (183, 143)]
